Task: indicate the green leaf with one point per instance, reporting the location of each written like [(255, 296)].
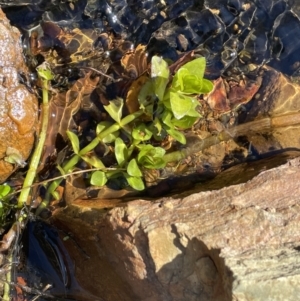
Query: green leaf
[(153, 163), (189, 78), (4, 190), (196, 67), (207, 86), (178, 79), (166, 117), (179, 105), (150, 150), (60, 169), (98, 178), (157, 125), (166, 100), (151, 157), (94, 161), (177, 135), (157, 130), (121, 152), (159, 67), (111, 137), (193, 112), (135, 182), (144, 150), (160, 73), (192, 84), (74, 141), (183, 105), (147, 97), (187, 83), (114, 109), (141, 133), (133, 169), (44, 71), (185, 122), (158, 152), (103, 126)]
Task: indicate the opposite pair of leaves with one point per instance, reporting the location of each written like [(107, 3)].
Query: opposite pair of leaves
[(92, 160), (141, 133), (170, 126), (133, 176), (114, 109), (188, 80), (151, 157)]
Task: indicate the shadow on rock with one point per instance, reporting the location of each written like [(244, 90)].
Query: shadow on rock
[(196, 274)]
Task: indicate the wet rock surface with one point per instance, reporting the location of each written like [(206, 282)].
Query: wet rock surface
[(236, 243), (18, 107)]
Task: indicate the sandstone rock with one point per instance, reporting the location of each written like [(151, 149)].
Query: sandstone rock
[(18, 107), (237, 243)]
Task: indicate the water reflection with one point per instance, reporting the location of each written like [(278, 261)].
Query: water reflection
[(263, 31)]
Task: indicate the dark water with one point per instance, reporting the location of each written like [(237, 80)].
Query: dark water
[(232, 34), (44, 260)]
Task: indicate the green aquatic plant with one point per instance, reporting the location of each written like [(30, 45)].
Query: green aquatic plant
[(45, 74), (14, 157), (167, 105), (177, 104)]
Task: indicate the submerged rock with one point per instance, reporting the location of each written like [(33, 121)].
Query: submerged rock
[(237, 243), (18, 107)]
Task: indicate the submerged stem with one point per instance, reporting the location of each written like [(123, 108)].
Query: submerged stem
[(35, 159), (256, 126), (75, 159), (6, 288)]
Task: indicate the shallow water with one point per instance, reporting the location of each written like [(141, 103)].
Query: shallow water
[(236, 37)]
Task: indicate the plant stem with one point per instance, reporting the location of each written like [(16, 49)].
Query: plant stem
[(113, 128), (35, 160), (241, 129), (75, 159), (13, 235), (6, 288), (175, 156)]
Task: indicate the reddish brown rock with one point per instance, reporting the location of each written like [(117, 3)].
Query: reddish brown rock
[(18, 107), (237, 243)]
